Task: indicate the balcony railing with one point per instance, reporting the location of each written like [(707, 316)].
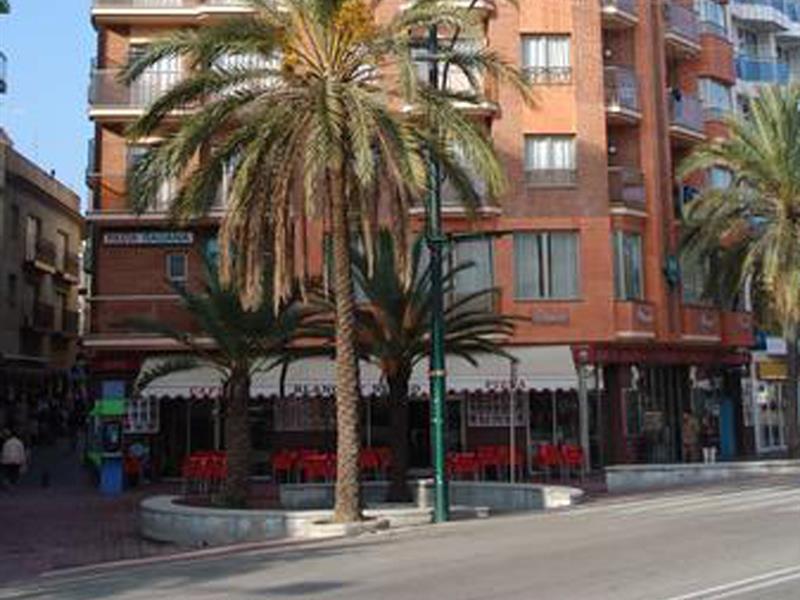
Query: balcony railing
[(551, 177), (621, 88), (44, 252), (145, 3), (111, 189), (687, 112), (548, 75), (72, 265), (107, 91), (626, 186), (762, 70), (682, 23)]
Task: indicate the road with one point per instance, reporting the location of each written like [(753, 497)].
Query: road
[(735, 541)]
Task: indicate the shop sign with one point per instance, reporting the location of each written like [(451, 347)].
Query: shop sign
[(148, 238), (771, 369)]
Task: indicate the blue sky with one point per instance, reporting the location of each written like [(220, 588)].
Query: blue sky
[(49, 45)]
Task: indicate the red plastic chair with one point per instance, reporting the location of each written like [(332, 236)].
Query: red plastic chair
[(547, 458), (463, 464), (284, 461), (489, 457), (369, 461), (572, 459)]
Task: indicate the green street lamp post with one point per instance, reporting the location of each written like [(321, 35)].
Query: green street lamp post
[(436, 241)]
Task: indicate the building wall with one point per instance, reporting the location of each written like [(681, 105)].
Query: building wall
[(26, 191)]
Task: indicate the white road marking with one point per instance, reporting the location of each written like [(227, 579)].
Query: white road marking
[(741, 586)]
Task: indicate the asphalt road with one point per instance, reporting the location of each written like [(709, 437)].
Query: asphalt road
[(738, 541)]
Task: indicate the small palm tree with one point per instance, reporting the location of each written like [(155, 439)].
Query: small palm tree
[(394, 324), (319, 115), (752, 228), (242, 342)]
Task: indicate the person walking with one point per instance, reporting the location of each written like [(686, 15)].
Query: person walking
[(13, 457), (708, 441)]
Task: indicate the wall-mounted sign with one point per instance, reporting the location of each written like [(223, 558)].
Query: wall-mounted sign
[(550, 317), (148, 238)]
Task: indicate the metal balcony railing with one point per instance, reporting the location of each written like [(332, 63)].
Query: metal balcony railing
[(551, 177), (107, 91), (687, 112), (112, 190), (548, 75), (762, 70), (145, 3), (72, 264), (45, 252), (626, 186), (682, 22), (621, 88)]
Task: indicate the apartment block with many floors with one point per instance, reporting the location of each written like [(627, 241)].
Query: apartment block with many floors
[(583, 245), (41, 232)]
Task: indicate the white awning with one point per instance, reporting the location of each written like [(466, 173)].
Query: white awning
[(537, 367)]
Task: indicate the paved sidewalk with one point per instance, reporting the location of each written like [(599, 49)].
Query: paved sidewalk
[(68, 523)]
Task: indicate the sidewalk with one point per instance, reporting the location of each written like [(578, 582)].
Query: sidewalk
[(67, 523)]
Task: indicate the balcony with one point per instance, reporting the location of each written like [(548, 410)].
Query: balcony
[(455, 80), (110, 194), (619, 14), (682, 30), (764, 15), (162, 11), (72, 266), (634, 319), (551, 178), (700, 324), (762, 70), (686, 118), (3, 85), (737, 329), (109, 97), (548, 75), (621, 95), (41, 254), (626, 188)]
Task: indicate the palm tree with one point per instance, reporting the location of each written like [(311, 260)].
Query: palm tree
[(316, 109), (752, 228), (393, 326), (236, 342)]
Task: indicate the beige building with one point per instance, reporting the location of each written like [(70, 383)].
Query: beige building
[(41, 231)]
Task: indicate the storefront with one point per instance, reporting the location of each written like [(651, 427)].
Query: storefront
[(768, 397)]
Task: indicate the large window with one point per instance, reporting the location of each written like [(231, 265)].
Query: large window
[(694, 275), (33, 231), (546, 58), (628, 276), (156, 79), (719, 178), (167, 190), (550, 160), (177, 268), (716, 98), (477, 252), (546, 265), (713, 16)]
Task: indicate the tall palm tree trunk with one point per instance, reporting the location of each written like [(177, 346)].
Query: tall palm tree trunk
[(237, 439), (398, 397), (348, 502), (793, 371)]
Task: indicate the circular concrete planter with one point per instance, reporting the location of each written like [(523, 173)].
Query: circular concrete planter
[(164, 520)]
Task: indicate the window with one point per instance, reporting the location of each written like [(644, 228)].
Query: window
[(156, 79), (716, 98), (546, 265), (546, 58), (457, 79), (177, 269), (166, 191), (550, 160), (713, 16), (694, 274), (451, 194), (14, 222), (477, 252), (60, 311), (12, 290), (62, 248), (33, 230), (628, 266)]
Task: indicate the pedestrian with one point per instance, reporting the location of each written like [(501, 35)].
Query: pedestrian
[(708, 441), (13, 457)]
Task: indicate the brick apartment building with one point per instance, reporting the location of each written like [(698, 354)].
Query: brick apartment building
[(584, 244), (41, 232)]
